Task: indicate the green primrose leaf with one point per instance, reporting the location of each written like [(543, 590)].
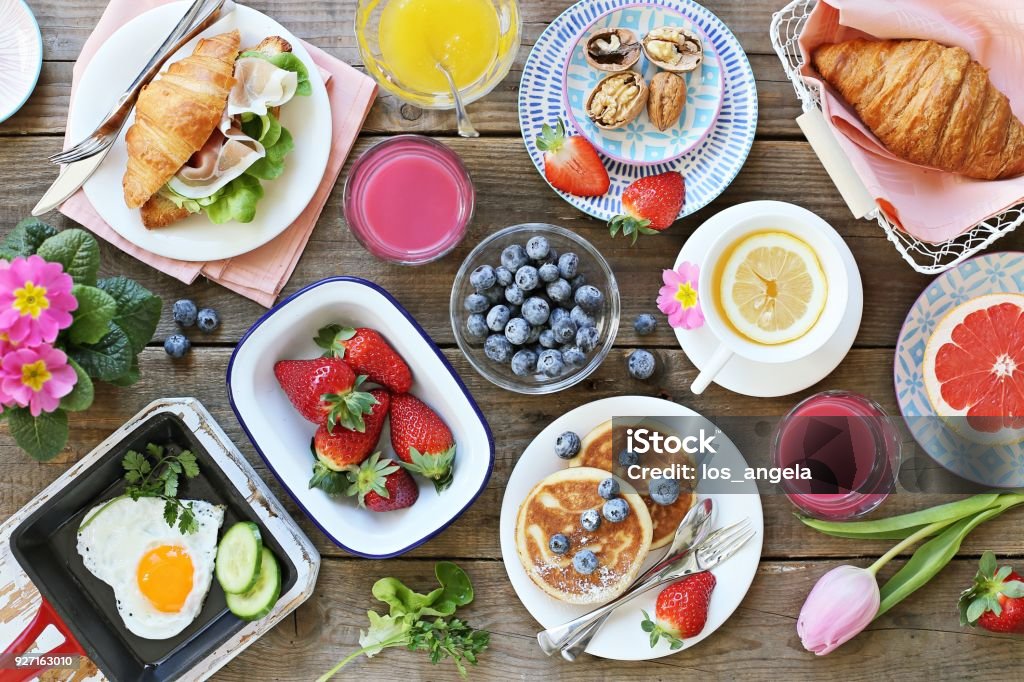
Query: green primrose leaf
[(42, 437), (82, 395), (25, 239), (77, 250), (96, 309), (138, 310), (108, 359)]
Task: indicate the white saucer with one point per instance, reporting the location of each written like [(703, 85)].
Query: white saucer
[(768, 380), (621, 638)]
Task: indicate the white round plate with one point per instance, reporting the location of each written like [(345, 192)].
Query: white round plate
[(621, 637), (708, 169), (768, 380), (640, 142), (21, 56), (114, 67)]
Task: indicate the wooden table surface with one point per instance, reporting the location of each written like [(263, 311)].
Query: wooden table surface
[(921, 637)]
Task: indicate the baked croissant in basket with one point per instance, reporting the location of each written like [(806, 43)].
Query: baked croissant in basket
[(928, 104), (176, 114)]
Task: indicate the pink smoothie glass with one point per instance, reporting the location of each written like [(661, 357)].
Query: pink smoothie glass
[(851, 447), (409, 199)]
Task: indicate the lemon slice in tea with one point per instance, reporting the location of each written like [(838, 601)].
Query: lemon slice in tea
[(772, 288)]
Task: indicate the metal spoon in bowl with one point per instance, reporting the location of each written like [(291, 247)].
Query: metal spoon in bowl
[(466, 128)]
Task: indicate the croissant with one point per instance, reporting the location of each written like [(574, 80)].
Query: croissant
[(928, 104), (176, 114)]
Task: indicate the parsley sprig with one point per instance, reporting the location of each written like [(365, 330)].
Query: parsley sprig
[(156, 474)]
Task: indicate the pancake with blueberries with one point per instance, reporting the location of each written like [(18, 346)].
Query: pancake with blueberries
[(597, 451), (554, 507)]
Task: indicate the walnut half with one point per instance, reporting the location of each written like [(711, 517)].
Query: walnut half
[(613, 49), (617, 100), (673, 49), (666, 99)]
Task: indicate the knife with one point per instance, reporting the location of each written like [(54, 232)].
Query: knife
[(71, 178)]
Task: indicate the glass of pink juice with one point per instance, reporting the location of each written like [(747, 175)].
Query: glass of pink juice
[(409, 200), (851, 448)]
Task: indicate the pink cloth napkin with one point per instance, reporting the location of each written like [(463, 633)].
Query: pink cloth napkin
[(931, 205), (260, 274)]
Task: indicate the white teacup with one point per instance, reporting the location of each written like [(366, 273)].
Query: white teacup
[(776, 216)]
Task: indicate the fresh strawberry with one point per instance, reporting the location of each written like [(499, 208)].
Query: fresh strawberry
[(571, 163), (381, 485), (343, 449), (325, 388), (366, 352), (681, 610), (422, 440), (996, 599), (651, 204)]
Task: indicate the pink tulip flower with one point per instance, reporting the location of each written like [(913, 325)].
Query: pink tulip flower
[(842, 603)]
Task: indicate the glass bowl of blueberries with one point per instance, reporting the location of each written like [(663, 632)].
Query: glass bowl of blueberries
[(535, 308)]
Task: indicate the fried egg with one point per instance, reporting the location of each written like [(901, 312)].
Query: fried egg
[(159, 575)]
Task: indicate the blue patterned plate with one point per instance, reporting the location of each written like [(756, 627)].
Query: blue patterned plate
[(708, 169), (640, 142), (990, 465)]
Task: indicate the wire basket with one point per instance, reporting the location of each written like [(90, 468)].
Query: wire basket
[(929, 259)]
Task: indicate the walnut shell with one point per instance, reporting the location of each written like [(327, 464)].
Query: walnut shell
[(613, 49), (666, 99), (617, 100), (673, 49)]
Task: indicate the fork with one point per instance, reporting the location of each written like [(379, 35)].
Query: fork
[(719, 546), (107, 131)]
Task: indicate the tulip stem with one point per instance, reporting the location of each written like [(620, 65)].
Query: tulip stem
[(908, 542)]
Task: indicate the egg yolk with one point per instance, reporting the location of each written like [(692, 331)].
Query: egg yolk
[(165, 577)]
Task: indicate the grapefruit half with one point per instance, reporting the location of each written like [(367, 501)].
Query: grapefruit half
[(974, 368)]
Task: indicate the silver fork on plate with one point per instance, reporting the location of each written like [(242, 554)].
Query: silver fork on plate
[(198, 18), (719, 546)]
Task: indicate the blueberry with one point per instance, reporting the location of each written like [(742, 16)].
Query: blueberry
[(536, 310), (590, 520), (559, 544), (645, 324), (664, 491), (514, 295), (476, 326), (577, 282), (551, 258), (534, 336), (498, 348), (608, 488), (615, 510), (559, 314), (565, 330), (628, 458), (208, 320), (547, 339), (537, 248), (514, 257), (494, 295), (585, 561), (560, 291), (641, 365), (548, 272), (567, 445), (477, 303), (517, 331), (524, 363), (527, 278), (550, 363), (185, 312), (177, 345), (573, 357), (498, 317), (589, 298), (568, 265), (582, 318), (587, 338), (483, 278), (503, 275)]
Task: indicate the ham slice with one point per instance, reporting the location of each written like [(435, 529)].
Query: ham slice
[(226, 155), (260, 86)]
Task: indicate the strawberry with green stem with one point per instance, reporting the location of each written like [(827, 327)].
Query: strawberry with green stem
[(340, 450), (366, 352), (325, 389), (651, 204), (422, 440), (571, 163), (380, 485), (996, 599), (681, 610)]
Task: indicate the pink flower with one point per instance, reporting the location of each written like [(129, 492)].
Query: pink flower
[(843, 602), (36, 378), (35, 300), (678, 298)]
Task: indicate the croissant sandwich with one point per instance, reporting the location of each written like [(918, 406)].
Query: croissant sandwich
[(928, 104), (207, 132)]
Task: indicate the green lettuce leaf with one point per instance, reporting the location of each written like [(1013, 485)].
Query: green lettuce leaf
[(237, 201), (271, 166), (264, 129), (288, 62)]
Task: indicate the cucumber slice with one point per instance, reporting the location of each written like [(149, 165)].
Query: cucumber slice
[(260, 600), (238, 557)]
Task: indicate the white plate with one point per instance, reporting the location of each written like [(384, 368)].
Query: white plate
[(758, 379), (282, 436), (621, 637), (114, 67), (21, 56)]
